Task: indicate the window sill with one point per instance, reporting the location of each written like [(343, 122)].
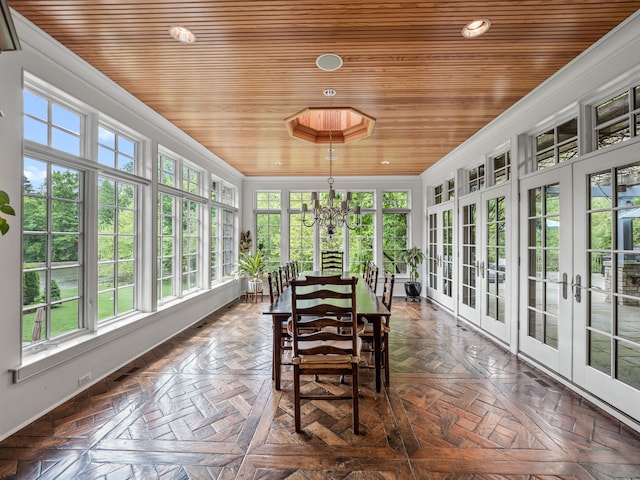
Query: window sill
[(53, 353)]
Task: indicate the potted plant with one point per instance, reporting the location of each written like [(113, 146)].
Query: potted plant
[(414, 257), (6, 209), (252, 266)]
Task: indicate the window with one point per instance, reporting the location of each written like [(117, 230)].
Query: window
[(223, 228), (52, 255), (501, 165), (361, 238), (395, 215), (618, 118), (268, 234), (301, 244), (167, 238), (52, 124), (557, 145), (116, 151), (445, 192), (180, 213), (475, 178), (117, 249), (191, 225)]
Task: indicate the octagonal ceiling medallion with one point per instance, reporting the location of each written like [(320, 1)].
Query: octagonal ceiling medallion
[(346, 124)]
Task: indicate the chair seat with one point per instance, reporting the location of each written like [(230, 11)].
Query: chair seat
[(329, 359)]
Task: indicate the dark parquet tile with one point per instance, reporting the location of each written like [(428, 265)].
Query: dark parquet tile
[(202, 406)]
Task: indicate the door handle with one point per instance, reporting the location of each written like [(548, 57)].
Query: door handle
[(578, 289), (565, 285)]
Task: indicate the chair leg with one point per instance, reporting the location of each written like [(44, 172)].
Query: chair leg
[(386, 358), (356, 413), (296, 396)]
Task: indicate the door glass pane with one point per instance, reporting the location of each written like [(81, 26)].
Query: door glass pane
[(628, 360), (600, 351)]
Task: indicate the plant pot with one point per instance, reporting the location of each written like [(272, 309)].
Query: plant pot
[(413, 290), (254, 285)]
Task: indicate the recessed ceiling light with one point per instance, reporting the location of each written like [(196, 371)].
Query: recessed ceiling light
[(476, 28), (385, 162), (329, 62), (182, 34), (278, 164)]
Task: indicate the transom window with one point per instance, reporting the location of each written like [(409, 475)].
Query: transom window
[(618, 118), (557, 145), (52, 124), (116, 150), (501, 166), (476, 178)]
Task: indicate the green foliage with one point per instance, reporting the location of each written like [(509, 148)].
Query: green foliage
[(251, 265), (414, 257), (7, 210), (55, 291), (31, 287)]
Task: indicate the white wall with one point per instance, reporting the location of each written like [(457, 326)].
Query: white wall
[(25, 401)]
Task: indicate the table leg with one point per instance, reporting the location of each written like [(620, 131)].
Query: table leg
[(377, 350), (277, 350)]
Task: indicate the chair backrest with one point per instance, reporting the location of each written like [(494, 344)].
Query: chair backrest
[(319, 306), (284, 277), (273, 278), (373, 277), (332, 260), (387, 289)]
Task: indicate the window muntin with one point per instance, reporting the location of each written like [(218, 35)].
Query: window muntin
[(52, 253), (268, 229), (557, 145), (116, 150), (476, 178), (450, 193), (444, 192), (395, 216), (51, 124), (117, 248), (214, 273)]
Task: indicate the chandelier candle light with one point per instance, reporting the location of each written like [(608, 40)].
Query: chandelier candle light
[(335, 214)]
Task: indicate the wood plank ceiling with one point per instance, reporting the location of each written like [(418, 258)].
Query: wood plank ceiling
[(406, 64)]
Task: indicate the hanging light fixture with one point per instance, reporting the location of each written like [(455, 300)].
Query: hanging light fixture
[(334, 214)]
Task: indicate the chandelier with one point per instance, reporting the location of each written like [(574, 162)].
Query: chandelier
[(335, 213)]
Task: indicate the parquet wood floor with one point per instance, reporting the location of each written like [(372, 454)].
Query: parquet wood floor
[(202, 406)]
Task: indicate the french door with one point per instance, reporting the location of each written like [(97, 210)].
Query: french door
[(580, 275), (607, 278), (440, 254), (484, 276)]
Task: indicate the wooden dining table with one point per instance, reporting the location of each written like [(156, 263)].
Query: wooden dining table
[(368, 306)]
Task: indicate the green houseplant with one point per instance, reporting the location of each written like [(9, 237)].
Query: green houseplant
[(6, 209), (252, 266), (414, 257)]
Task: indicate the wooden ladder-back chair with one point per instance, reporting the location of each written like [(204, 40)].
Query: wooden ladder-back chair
[(367, 335), (275, 291), (332, 260), (321, 345)]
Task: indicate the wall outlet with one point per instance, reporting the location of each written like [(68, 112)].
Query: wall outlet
[(84, 379)]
